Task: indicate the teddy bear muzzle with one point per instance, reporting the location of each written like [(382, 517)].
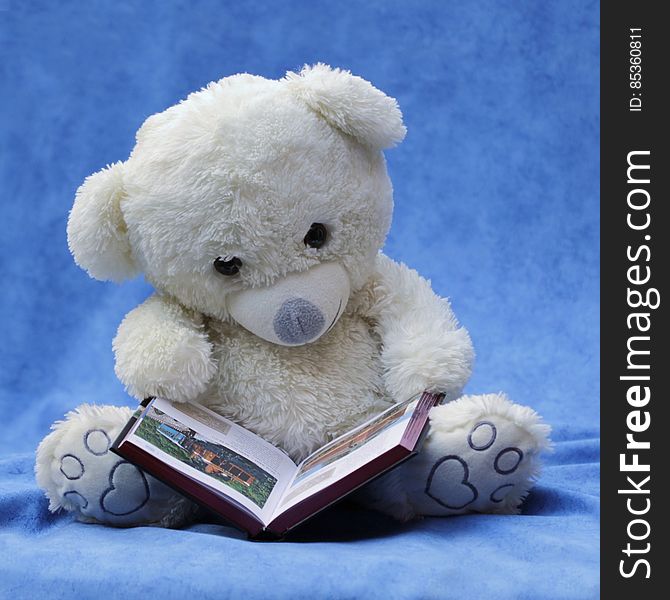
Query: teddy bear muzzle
[(297, 309)]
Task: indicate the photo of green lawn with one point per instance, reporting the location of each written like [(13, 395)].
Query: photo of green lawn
[(218, 462)]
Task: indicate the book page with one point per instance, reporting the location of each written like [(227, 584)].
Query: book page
[(348, 453), (215, 452)]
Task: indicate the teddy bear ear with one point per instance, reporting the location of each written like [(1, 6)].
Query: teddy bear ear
[(350, 103), (96, 232)]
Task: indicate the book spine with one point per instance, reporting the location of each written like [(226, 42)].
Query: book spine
[(129, 425), (419, 419), (336, 492)]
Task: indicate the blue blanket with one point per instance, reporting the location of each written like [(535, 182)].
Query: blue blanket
[(496, 191)]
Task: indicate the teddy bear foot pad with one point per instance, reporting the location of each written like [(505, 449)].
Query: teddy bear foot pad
[(480, 455), (79, 473)]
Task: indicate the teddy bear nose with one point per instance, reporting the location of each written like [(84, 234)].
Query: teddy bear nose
[(298, 321)]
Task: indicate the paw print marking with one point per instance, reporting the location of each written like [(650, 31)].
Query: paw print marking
[(97, 442), (465, 495), (71, 467), (482, 436), (494, 498), (119, 502), (507, 461), (77, 498)]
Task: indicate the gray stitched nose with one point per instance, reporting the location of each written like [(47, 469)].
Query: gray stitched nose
[(298, 321)]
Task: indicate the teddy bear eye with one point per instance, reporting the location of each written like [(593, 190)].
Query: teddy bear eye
[(316, 236), (228, 265)]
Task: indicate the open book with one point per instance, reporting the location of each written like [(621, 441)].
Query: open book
[(254, 484)]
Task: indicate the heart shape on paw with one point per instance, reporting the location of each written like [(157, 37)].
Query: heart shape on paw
[(128, 490), (449, 485)]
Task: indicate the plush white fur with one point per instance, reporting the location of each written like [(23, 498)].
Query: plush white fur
[(162, 349), (424, 348), (351, 104), (96, 231), (243, 168)]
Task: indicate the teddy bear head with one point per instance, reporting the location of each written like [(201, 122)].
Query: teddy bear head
[(264, 201)]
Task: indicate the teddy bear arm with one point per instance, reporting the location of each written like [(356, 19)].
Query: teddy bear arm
[(423, 345), (162, 349)]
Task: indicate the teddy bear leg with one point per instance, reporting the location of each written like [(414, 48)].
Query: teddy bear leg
[(79, 473), (480, 455)]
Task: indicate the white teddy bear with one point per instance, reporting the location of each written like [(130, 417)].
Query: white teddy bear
[(257, 209)]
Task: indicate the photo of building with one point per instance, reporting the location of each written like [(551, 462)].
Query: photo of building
[(215, 464), (207, 456)]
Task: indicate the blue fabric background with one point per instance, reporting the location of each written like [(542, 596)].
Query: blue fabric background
[(497, 202)]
